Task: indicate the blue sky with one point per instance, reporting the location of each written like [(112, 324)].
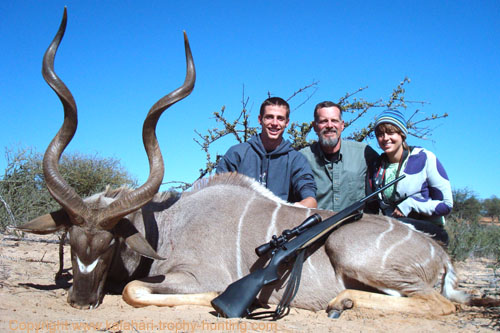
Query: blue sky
[(119, 57)]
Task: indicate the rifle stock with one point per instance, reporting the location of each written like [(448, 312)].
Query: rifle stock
[(236, 300)]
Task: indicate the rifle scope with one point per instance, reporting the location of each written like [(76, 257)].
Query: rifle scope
[(287, 235)]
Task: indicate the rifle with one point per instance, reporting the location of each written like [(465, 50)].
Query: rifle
[(236, 300)]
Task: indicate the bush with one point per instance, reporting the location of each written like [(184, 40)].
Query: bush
[(491, 207), (466, 205), (469, 238), (24, 196)]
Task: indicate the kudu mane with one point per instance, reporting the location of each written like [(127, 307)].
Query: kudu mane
[(116, 193), (231, 179), (237, 180)]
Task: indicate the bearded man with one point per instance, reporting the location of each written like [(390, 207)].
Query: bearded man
[(340, 167)]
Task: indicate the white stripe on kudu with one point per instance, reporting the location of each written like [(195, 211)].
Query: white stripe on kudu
[(431, 257), (313, 269), (238, 237), (381, 236), (395, 245), (271, 229)]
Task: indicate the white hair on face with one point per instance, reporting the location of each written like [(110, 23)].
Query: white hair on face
[(327, 142)]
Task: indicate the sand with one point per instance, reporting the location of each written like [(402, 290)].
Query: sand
[(31, 301)]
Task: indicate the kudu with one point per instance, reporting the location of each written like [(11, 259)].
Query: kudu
[(204, 240)]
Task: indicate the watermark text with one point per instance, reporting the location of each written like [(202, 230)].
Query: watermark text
[(142, 325)]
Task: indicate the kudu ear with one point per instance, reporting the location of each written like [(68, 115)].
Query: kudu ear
[(47, 224), (139, 244), (135, 240)]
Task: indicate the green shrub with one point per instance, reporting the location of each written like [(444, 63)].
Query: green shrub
[(24, 196), (470, 238)]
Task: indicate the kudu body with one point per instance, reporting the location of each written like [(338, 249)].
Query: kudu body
[(205, 240)]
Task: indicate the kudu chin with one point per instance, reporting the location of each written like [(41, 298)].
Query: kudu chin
[(208, 236)]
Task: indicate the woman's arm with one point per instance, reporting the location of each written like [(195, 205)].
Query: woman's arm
[(432, 196)]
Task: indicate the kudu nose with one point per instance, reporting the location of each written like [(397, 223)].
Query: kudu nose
[(82, 303)]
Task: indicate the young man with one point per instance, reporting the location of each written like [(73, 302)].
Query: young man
[(271, 160), (340, 167)]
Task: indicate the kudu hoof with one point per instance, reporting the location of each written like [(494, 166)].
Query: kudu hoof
[(334, 314), (339, 304)]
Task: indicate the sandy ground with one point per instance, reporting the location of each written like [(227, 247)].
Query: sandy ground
[(30, 300)]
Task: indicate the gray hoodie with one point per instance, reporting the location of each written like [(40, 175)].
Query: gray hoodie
[(284, 171)]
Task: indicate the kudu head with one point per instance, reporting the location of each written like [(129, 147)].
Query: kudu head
[(94, 224)]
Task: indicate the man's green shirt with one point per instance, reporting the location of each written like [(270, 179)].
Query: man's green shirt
[(341, 182)]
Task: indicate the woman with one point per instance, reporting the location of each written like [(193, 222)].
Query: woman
[(424, 196)]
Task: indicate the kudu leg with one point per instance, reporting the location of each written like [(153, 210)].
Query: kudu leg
[(421, 304), (140, 293), (62, 240)]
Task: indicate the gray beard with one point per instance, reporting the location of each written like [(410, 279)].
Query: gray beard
[(327, 142)]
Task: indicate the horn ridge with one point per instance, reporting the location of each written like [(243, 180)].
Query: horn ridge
[(58, 187)]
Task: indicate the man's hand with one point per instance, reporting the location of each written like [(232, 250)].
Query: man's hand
[(397, 213), (308, 202)]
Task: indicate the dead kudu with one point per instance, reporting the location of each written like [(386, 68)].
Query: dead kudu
[(205, 240)]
